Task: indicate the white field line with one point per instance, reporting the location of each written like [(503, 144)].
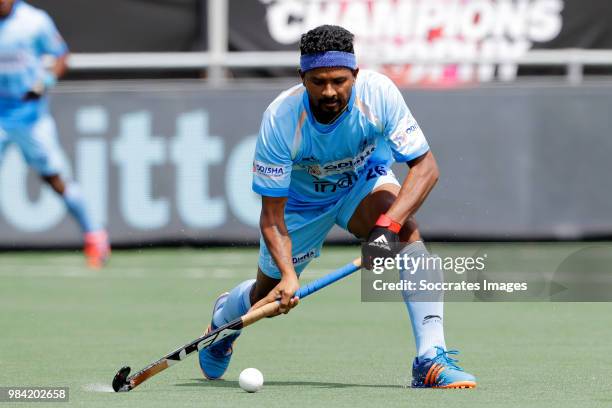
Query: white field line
[(98, 388)]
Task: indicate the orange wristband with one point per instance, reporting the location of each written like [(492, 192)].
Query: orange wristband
[(384, 221)]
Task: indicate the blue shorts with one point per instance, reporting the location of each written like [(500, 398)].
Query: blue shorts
[(308, 228), (38, 144)]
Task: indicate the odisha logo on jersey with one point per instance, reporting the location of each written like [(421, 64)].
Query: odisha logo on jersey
[(306, 256), (268, 170)]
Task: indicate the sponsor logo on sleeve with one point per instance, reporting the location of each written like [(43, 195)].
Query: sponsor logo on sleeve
[(403, 135), (412, 128), (266, 170)]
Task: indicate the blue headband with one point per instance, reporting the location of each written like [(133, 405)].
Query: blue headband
[(328, 59)]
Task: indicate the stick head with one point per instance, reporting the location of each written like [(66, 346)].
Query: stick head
[(120, 382)]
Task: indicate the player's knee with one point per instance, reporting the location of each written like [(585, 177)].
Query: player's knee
[(55, 182)]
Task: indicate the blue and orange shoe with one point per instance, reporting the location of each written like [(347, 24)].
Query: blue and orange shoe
[(440, 372), (215, 359)]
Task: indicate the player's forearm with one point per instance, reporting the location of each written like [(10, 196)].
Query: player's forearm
[(275, 233), (60, 66), (421, 179), (278, 243)]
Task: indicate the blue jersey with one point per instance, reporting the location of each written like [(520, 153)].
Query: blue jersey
[(26, 35), (314, 164)]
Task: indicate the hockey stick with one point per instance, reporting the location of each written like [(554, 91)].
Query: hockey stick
[(124, 382)]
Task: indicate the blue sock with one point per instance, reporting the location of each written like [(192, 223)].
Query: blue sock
[(236, 304), (426, 309), (76, 206)]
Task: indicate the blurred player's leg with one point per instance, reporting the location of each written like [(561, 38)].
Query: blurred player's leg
[(41, 150)]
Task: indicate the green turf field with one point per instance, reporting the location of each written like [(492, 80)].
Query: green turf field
[(63, 325)]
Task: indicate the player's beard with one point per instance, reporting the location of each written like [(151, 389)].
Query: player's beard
[(330, 112)]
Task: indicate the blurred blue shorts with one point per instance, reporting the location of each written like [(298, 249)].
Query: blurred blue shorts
[(38, 144)]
